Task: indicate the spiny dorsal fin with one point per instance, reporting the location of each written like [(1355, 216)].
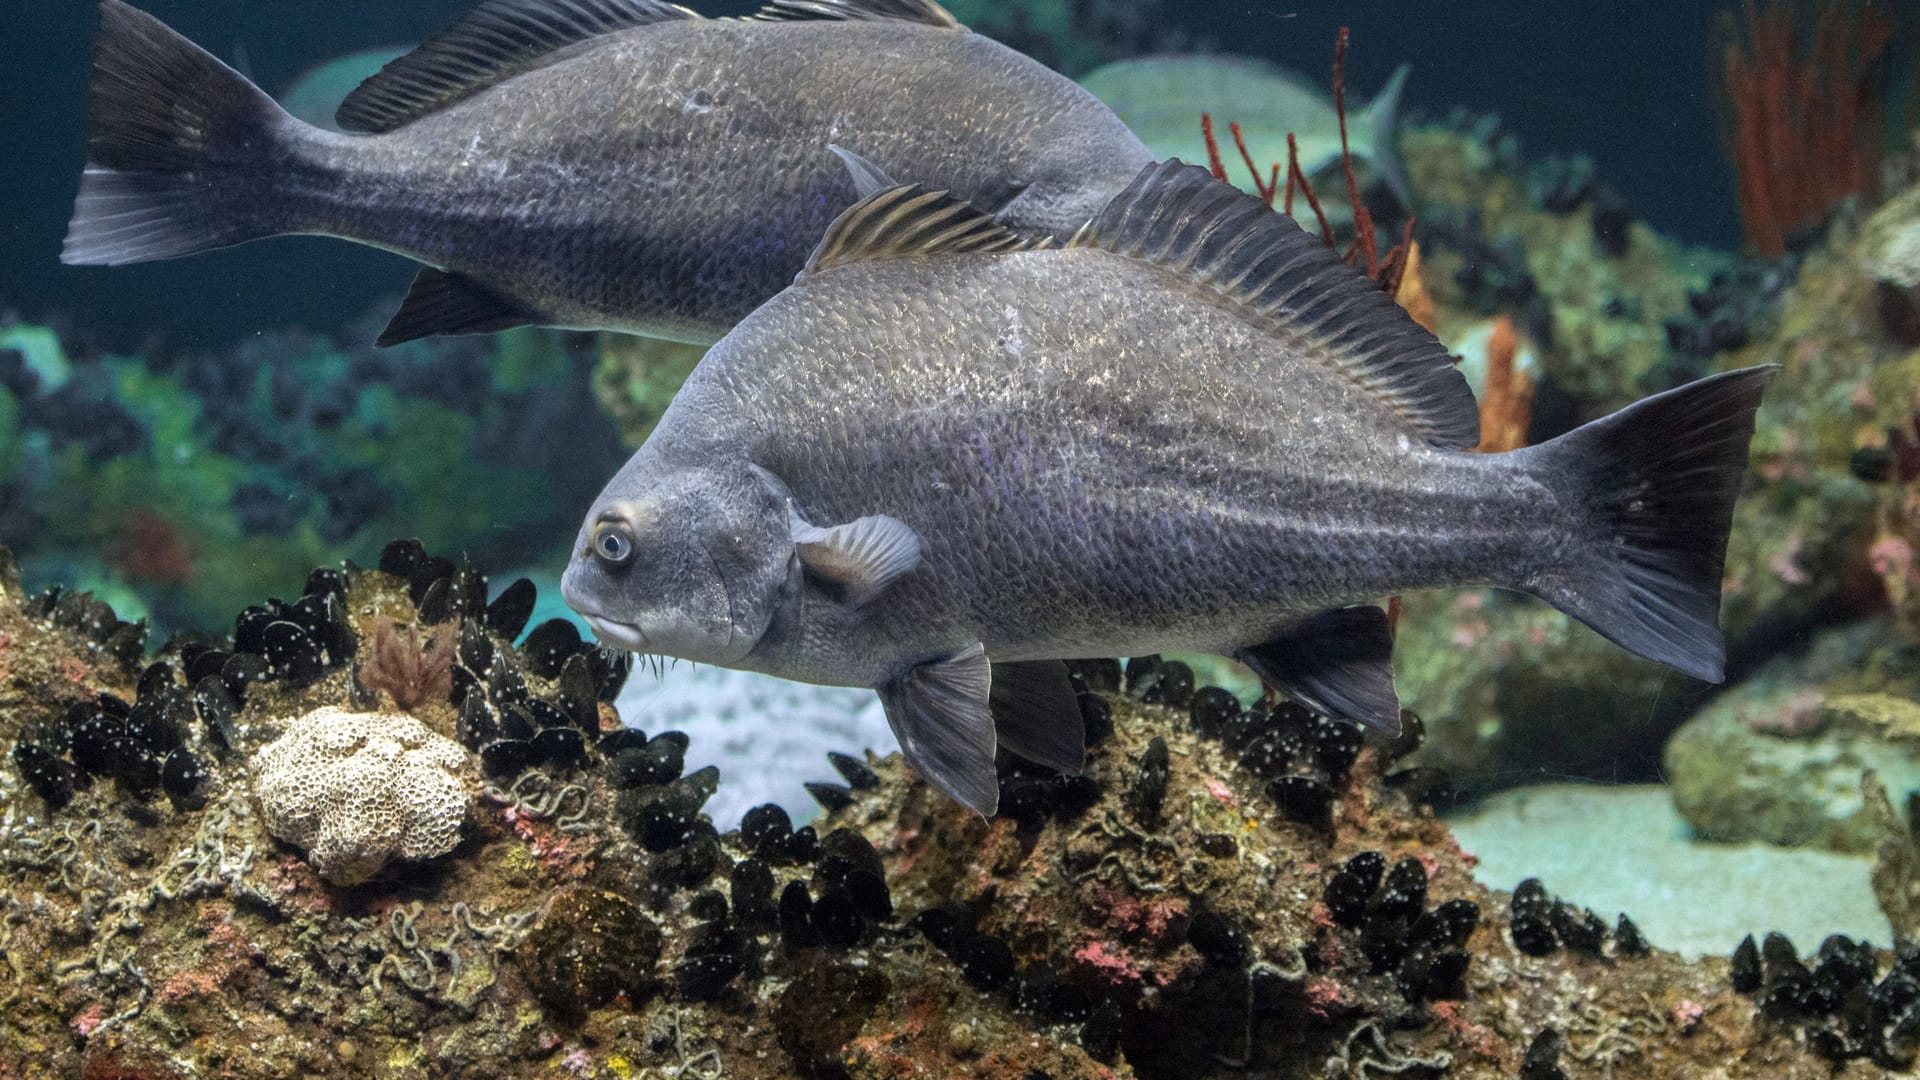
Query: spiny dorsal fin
[(1179, 217), (920, 11), (496, 41), (904, 222)]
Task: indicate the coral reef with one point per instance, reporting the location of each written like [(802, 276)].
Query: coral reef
[(356, 790), (1224, 890)]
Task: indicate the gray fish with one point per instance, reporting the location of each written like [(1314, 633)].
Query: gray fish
[(608, 164), (945, 460)]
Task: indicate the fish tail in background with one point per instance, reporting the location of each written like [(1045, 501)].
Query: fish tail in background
[(1382, 119), (179, 148), (1657, 483)]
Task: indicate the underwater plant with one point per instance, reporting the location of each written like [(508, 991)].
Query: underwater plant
[(1804, 102)]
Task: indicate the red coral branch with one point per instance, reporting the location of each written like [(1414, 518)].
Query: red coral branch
[(1804, 113), (1362, 219)]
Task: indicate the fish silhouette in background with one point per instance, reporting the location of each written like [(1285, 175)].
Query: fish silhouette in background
[(1162, 97), (598, 164), (947, 459)]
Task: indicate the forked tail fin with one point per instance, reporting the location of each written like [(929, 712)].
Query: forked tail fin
[(179, 148), (1652, 489)]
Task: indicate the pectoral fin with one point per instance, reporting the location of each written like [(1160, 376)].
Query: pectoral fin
[(863, 557), (1036, 714), (1338, 662), (938, 710)]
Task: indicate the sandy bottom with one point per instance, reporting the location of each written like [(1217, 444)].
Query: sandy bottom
[(1617, 849)]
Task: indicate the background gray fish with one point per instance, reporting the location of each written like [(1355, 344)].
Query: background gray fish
[(1161, 98), (617, 164), (936, 465)]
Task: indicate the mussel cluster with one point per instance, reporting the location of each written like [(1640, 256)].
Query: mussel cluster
[(988, 964), (501, 717), (84, 614), (1425, 949), (1843, 1005), (1541, 923)]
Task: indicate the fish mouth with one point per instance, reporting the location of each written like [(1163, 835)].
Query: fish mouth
[(627, 636)]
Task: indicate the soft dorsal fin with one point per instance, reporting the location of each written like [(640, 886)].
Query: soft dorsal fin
[(1179, 217), (496, 41), (903, 222), (920, 11)]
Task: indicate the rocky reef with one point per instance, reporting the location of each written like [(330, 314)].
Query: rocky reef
[(1223, 891)]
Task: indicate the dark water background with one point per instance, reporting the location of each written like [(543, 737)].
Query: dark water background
[(1624, 83)]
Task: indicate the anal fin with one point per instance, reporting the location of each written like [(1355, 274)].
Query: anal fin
[(1036, 713), (938, 710), (1338, 662), (446, 303)]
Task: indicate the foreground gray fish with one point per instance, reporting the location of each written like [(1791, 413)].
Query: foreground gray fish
[(940, 463), (611, 164)]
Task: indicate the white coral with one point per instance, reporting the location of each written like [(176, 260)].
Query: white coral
[(359, 789)]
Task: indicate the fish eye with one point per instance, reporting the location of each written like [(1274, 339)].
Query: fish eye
[(613, 543)]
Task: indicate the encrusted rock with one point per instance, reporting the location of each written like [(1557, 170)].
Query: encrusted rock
[(357, 790), (589, 947), (1784, 764)]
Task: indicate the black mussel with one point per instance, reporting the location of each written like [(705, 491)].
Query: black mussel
[(214, 704), (507, 615), (52, 779), (431, 571), (705, 977), (157, 676), (1432, 972), (93, 738), (1143, 674), (576, 694), (1745, 970), (158, 720), (113, 705), (325, 581), (1096, 718), (135, 767), (831, 797), (796, 918), (803, 847), (402, 557), (620, 740), (545, 714), (1403, 895), (507, 757), (1627, 939), (515, 722), (1350, 890), (1173, 688), (870, 896), (249, 631), (765, 831), (1577, 928), (754, 907), (853, 771), (837, 922), (467, 593), (560, 746), (985, 962), (505, 683), (434, 607), (324, 617), (1151, 774), (549, 645), (1532, 919), (1211, 709), (478, 723), (1216, 939), (1335, 744), (292, 653), (184, 778), (1303, 799)]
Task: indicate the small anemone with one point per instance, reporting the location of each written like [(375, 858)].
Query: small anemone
[(409, 670)]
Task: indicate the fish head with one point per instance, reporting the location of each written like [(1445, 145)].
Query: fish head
[(689, 564)]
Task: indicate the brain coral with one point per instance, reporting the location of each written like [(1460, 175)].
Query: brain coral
[(358, 789)]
